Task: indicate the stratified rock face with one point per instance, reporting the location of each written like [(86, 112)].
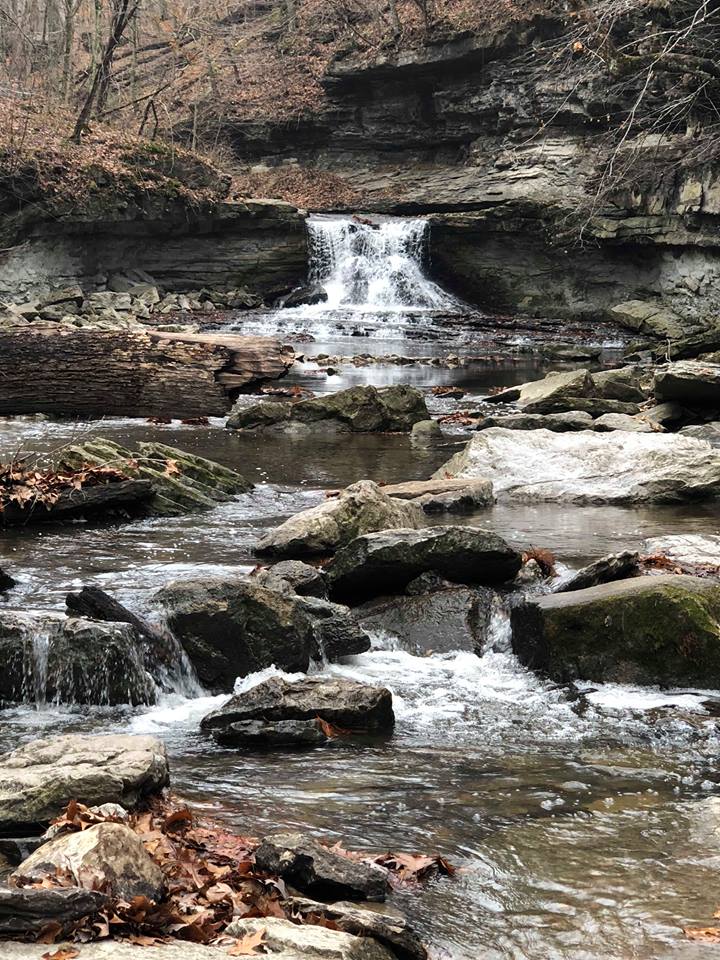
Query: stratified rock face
[(318, 870), (288, 941), (181, 482), (359, 410), (345, 703), (260, 244), (110, 856), (49, 659), (39, 780), (616, 467), (647, 630), (231, 627), (362, 508), (692, 382), (386, 562), (25, 910)]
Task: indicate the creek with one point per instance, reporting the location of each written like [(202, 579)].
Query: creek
[(581, 825)]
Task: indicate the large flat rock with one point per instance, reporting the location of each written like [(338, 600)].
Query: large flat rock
[(39, 780), (692, 382), (616, 467)]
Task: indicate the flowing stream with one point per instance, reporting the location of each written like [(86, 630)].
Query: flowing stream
[(582, 827)]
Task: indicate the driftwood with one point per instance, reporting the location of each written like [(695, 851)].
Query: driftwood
[(91, 373), (103, 499)]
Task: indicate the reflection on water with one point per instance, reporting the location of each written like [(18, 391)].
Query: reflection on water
[(573, 815)]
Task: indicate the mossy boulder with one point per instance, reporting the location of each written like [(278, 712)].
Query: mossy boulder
[(648, 630), (357, 410)]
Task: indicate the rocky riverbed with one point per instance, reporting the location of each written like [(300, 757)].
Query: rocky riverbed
[(464, 609)]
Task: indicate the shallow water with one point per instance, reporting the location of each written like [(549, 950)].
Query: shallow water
[(576, 823)]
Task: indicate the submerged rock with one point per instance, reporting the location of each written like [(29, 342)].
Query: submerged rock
[(361, 508), (231, 627), (344, 703), (181, 482), (386, 562), (109, 856), (617, 467), (647, 630), (359, 410), (285, 940), (50, 659), (29, 910), (39, 780), (318, 870), (616, 566), (691, 382)]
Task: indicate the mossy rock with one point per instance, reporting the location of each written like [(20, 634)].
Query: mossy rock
[(648, 630)]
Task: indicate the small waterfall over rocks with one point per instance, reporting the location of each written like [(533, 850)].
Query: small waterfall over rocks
[(374, 267)]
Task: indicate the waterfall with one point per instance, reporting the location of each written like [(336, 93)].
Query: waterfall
[(374, 267)]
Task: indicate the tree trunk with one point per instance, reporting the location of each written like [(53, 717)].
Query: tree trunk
[(93, 373)]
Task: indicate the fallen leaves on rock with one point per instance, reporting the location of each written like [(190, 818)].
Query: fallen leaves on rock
[(64, 953), (27, 487), (211, 879), (703, 934), (331, 730), (248, 946)]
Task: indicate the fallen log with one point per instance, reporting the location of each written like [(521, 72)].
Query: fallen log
[(92, 373), (105, 500)]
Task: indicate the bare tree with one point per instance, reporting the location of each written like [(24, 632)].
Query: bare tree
[(123, 12)]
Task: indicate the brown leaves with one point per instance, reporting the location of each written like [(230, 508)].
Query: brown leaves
[(63, 953), (703, 934), (26, 488), (330, 730), (248, 946)]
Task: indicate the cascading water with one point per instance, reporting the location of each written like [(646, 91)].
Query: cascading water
[(373, 267)]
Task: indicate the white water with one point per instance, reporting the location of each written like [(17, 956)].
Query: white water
[(373, 268)]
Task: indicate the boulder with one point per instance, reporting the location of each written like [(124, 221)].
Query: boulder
[(621, 421), (690, 382), (616, 566), (389, 928), (647, 630), (359, 410), (39, 780), (555, 392), (444, 496), (27, 910), (647, 316), (292, 576), (708, 432), (285, 940), (435, 621), (50, 659), (68, 296), (693, 550), (344, 703), (271, 734), (588, 467), (108, 856), (560, 422), (362, 508), (308, 295), (386, 562), (630, 384), (664, 414), (231, 627), (6, 581), (318, 870)]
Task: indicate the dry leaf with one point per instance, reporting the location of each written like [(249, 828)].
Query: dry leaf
[(247, 947), (63, 953), (703, 934)]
